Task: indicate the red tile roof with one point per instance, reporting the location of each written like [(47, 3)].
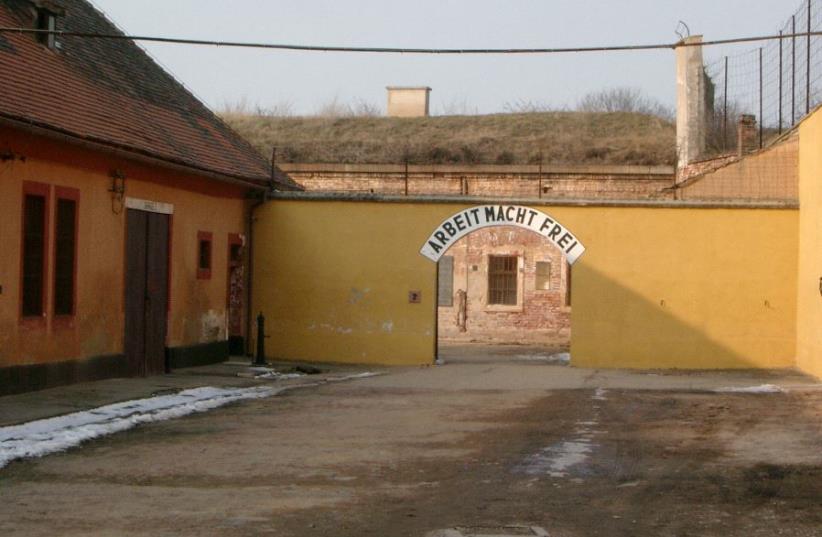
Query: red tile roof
[(111, 92)]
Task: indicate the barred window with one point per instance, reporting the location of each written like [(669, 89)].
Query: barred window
[(502, 279), (204, 240)]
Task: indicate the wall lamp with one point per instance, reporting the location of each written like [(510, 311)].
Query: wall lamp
[(118, 191)]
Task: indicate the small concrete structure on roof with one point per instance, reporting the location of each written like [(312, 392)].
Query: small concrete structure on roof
[(408, 101)]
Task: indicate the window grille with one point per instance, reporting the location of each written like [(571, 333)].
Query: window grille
[(503, 271)]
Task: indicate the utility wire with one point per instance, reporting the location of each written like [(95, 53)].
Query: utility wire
[(401, 50)]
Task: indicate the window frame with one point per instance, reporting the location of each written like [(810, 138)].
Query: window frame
[(31, 188), (445, 300), (204, 273), (47, 20), (550, 275), (69, 194), (517, 283)]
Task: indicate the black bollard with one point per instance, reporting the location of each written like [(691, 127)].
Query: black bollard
[(260, 358)]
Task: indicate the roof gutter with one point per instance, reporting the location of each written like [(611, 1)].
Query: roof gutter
[(126, 152)]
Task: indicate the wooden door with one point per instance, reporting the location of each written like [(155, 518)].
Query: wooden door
[(146, 291)]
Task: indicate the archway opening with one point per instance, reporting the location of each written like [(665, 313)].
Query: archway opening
[(504, 285)]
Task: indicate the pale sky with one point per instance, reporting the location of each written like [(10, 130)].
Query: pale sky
[(308, 80)]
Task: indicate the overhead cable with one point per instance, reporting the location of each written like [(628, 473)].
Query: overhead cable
[(402, 50)]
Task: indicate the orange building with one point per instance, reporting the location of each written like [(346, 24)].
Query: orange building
[(124, 208)]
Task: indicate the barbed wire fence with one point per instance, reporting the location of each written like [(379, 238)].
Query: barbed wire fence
[(779, 83)]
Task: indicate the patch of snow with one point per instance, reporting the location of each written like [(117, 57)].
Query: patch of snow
[(365, 375), (278, 376), (557, 460), (561, 358), (763, 388), (269, 373), (41, 437)]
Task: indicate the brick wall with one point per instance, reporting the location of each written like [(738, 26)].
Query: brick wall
[(579, 182), (769, 174), (541, 316)]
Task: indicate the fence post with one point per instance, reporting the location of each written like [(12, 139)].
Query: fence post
[(540, 175), (808, 70), (780, 81), (761, 112), (406, 174), (725, 111), (793, 71)]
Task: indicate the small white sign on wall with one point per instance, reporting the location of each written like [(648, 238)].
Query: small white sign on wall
[(468, 220), (149, 206)]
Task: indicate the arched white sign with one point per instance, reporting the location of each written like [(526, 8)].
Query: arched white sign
[(468, 220)]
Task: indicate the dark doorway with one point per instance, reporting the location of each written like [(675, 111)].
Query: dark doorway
[(147, 254), (236, 293)]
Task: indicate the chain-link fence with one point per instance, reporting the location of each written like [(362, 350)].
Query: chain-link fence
[(778, 83)]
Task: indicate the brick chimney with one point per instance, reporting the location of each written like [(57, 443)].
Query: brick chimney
[(746, 134)]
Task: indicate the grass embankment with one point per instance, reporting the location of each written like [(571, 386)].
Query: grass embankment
[(561, 138)]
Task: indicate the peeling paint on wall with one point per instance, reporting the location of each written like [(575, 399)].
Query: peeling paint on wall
[(357, 295), (214, 327), (388, 327)]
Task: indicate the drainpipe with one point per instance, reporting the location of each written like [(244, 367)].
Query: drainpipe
[(249, 350)]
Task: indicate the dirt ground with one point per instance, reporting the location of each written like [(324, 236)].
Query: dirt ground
[(486, 442)]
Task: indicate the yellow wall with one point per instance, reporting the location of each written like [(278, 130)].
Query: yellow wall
[(333, 279), (657, 287), (809, 301), (684, 288), (196, 305)]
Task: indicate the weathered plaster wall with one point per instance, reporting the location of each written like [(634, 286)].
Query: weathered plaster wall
[(197, 307), (333, 280), (657, 287)]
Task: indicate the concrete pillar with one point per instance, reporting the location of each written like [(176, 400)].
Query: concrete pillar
[(691, 105)]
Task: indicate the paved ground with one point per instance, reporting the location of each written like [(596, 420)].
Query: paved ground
[(493, 442)]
